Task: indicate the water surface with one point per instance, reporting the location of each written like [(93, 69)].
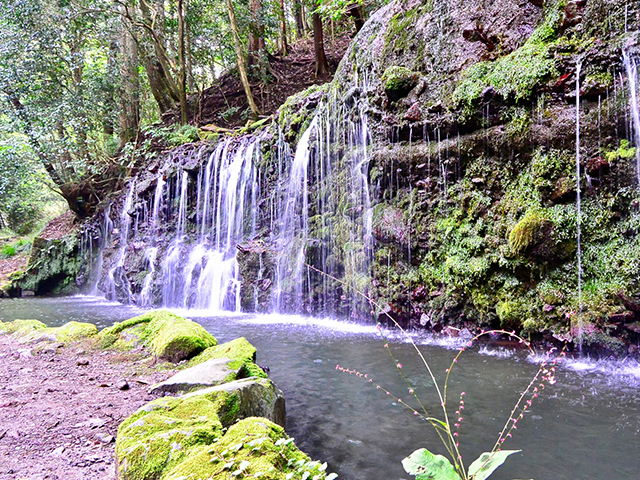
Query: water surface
[(586, 426)]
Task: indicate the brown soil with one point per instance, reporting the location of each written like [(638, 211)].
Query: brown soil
[(58, 227), (224, 104), (12, 264), (60, 407)]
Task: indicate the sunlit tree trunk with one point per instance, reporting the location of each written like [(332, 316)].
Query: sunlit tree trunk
[(240, 59), (322, 66), (284, 46), (129, 118), (354, 10), (182, 68)]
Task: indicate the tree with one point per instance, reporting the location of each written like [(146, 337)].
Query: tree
[(284, 46), (240, 60), (322, 66)]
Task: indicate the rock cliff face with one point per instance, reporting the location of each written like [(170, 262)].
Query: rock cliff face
[(436, 174)]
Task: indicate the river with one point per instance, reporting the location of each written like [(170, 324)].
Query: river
[(585, 426)]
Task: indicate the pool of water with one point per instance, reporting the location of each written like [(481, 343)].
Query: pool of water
[(585, 426)]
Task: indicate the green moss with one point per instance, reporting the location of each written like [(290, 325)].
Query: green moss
[(398, 81), (110, 335), (73, 331), (169, 336), (21, 327), (160, 435), (240, 351), (253, 448), (516, 75), (512, 313), (526, 231)]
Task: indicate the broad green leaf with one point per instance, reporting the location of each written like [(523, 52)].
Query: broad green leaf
[(427, 466), (486, 463)]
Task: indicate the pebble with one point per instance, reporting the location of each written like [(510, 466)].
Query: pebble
[(82, 362), (123, 385)]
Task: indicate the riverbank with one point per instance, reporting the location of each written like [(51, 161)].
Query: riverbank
[(61, 406)]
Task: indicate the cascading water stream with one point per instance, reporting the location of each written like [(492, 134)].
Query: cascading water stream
[(203, 274), (116, 283), (578, 206), (631, 67)]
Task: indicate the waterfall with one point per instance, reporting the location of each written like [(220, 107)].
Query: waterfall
[(117, 285), (324, 224), (631, 67), (308, 236), (203, 273)]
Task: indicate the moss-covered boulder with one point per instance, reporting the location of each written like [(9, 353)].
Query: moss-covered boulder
[(240, 351), (69, 332), (398, 82), (21, 327), (246, 398), (160, 434), (168, 336), (252, 448)]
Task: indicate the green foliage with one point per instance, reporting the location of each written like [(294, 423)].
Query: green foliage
[(427, 466), (487, 462), (623, 152), (7, 251), (173, 136)]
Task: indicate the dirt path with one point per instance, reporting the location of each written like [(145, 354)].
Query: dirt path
[(60, 407)]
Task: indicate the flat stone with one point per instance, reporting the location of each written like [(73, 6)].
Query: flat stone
[(256, 397), (206, 374)]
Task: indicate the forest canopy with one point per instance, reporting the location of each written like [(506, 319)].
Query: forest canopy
[(83, 82)]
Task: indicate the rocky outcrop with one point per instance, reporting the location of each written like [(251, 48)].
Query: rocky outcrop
[(441, 182)]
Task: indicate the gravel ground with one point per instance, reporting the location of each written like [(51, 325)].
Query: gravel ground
[(60, 407)]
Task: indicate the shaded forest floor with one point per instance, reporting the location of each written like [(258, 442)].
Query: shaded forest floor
[(225, 105), (61, 407)]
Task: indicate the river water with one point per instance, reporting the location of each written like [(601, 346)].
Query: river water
[(586, 426)]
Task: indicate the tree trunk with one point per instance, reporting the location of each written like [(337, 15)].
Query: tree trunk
[(256, 33), (298, 13), (322, 67), (240, 59), (354, 10), (284, 47), (182, 68), (129, 118)]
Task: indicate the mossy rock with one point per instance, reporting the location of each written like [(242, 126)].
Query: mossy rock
[(240, 351), (69, 332), (398, 82), (160, 434), (21, 327), (252, 448), (244, 398), (73, 331), (531, 230), (168, 336)]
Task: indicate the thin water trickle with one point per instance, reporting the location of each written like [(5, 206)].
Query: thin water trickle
[(631, 67), (117, 285), (578, 207)]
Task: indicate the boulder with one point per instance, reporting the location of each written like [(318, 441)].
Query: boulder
[(252, 448), (168, 336), (159, 435), (21, 327), (249, 397), (206, 374), (240, 351)]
